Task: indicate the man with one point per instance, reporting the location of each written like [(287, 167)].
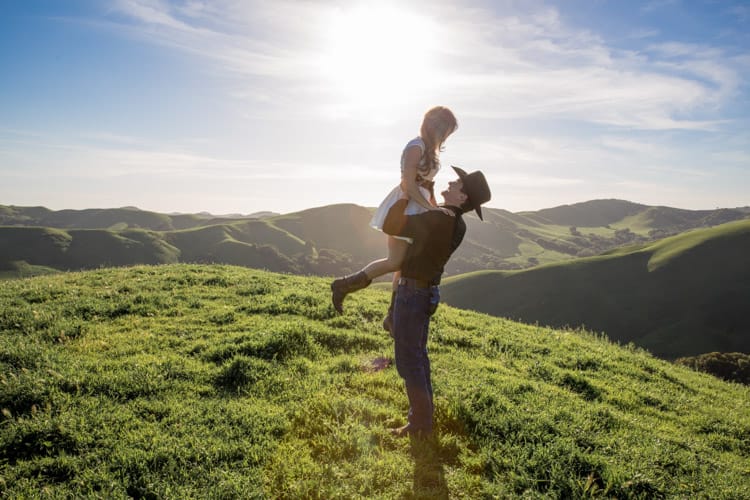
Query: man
[(435, 236)]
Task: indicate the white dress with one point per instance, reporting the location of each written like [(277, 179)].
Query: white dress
[(412, 208)]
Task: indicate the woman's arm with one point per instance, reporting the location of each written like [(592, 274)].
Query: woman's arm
[(409, 177), (409, 180)]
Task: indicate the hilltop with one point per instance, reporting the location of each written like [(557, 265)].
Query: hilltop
[(680, 296), (329, 240), (190, 381)]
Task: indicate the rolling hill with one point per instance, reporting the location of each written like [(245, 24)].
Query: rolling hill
[(207, 381), (680, 296), (280, 243), (336, 239), (109, 218)]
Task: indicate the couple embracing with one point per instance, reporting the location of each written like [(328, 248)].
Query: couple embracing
[(422, 237)]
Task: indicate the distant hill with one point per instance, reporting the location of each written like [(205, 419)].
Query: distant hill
[(243, 244), (115, 218), (337, 239), (508, 241), (681, 296), (98, 218), (590, 213)]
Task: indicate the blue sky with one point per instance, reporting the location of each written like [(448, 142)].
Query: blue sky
[(233, 106)]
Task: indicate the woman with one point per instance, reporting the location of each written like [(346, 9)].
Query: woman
[(420, 162)]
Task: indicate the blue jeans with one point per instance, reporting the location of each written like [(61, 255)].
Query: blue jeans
[(412, 310)]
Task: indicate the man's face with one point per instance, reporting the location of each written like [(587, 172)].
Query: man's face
[(453, 195)]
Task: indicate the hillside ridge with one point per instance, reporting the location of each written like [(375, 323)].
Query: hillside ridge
[(681, 296), (337, 239)]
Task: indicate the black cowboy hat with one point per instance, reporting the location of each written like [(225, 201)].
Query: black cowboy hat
[(476, 188)]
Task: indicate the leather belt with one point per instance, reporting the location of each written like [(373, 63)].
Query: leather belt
[(414, 283)]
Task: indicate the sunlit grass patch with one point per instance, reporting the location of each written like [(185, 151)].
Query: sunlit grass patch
[(192, 381)]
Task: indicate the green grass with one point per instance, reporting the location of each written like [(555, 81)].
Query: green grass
[(670, 248), (682, 296), (21, 269), (639, 224), (187, 381)]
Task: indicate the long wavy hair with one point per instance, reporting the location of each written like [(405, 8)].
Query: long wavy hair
[(438, 123)]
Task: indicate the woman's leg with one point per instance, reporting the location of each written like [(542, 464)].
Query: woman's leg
[(396, 252), (341, 287)]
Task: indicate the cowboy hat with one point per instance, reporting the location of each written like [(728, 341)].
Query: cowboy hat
[(474, 185)]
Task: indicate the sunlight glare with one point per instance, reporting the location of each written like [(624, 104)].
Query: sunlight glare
[(377, 56)]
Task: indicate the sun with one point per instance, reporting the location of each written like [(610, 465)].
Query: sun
[(377, 56)]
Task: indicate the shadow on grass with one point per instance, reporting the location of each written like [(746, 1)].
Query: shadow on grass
[(429, 474)]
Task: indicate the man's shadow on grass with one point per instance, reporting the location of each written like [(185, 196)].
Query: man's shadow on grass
[(429, 470)]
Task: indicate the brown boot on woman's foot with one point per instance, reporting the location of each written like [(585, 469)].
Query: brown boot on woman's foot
[(346, 285)]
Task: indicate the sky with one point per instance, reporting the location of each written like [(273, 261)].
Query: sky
[(242, 106)]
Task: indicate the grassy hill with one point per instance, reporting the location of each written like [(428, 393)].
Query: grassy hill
[(189, 381), (287, 243), (337, 239), (681, 296), (246, 243), (105, 218), (341, 232), (112, 218), (590, 213), (82, 248)]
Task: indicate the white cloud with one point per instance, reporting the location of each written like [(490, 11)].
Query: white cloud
[(245, 38), (504, 66), (541, 105), (532, 70), (151, 12)]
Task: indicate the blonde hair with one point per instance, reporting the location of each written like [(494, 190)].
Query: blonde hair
[(438, 123)]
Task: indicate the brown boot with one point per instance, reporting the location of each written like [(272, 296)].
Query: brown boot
[(348, 284)]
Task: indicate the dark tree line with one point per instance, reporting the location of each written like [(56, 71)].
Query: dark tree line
[(731, 366)]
